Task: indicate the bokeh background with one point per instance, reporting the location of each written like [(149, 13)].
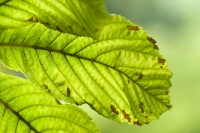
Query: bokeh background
[(175, 25)]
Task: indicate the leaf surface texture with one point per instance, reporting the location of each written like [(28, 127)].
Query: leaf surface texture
[(121, 75), (78, 17)]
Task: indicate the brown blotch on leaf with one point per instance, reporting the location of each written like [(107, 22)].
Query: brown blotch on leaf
[(68, 92), (76, 103), (140, 76), (150, 39), (126, 116), (45, 86), (137, 123), (167, 92), (30, 19), (47, 23), (146, 117), (130, 27), (141, 107), (162, 61), (161, 67), (58, 102), (113, 109), (128, 81), (58, 28), (96, 30), (84, 29), (70, 27), (150, 112), (147, 123)]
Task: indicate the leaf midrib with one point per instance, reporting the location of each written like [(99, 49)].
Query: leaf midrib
[(73, 55), (18, 115)]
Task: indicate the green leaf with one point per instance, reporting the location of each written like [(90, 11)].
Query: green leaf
[(122, 75), (25, 108), (79, 17)]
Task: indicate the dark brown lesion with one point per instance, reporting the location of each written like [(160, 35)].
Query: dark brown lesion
[(140, 76), (46, 87), (167, 92), (68, 92), (141, 106), (137, 123), (70, 27), (130, 27), (126, 116), (162, 61), (58, 102), (33, 19), (113, 109), (150, 39), (58, 28)]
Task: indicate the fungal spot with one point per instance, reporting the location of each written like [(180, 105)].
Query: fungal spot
[(47, 23), (113, 109), (147, 123), (68, 92), (150, 112), (30, 19), (150, 39), (141, 107), (130, 27), (161, 67), (84, 29), (137, 123), (162, 61), (140, 76), (167, 92), (96, 30), (70, 27), (128, 81), (58, 102), (58, 28), (126, 116), (146, 117), (169, 106), (76, 103), (45, 86)]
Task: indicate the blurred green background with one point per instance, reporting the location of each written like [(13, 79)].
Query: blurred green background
[(175, 25)]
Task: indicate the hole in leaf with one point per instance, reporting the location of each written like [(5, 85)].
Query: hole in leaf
[(113, 109)]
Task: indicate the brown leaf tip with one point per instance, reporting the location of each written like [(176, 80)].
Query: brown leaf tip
[(68, 92), (113, 109), (130, 27), (126, 116)]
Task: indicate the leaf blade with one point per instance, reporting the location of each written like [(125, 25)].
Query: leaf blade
[(123, 67)]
